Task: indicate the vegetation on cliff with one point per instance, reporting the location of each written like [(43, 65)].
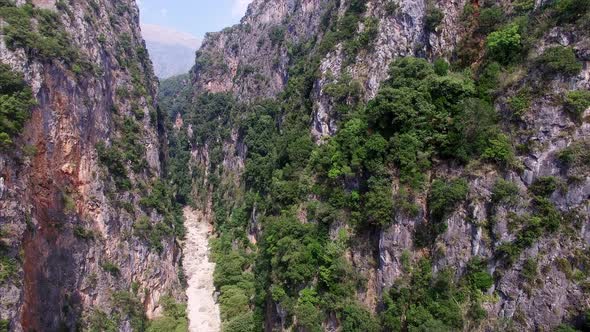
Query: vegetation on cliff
[(384, 162), (16, 102)]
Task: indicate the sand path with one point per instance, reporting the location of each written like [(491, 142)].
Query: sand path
[(203, 311)]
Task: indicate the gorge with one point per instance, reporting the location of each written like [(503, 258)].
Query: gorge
[(349, 165)]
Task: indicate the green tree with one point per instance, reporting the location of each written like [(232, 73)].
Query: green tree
[(240, 323), (379, 202), (504, 45), (358, 319)]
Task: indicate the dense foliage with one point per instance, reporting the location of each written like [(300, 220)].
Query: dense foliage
[(16, 101), (307, 204), (128, 307), (173, 95), (40, 33), (424, 301), (174, 318), (299, 265)]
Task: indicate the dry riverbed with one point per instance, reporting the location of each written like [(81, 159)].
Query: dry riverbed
[(203, 311)]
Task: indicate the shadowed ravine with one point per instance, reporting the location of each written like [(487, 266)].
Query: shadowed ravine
[(203, 311)]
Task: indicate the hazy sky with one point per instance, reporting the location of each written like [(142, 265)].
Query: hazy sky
[(193, 16)]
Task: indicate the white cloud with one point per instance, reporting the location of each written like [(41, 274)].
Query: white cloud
[(169, 36), (239, 7), (164, 12)]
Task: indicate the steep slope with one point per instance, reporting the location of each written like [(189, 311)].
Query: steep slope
[(87, 227), (394, 165), (251, 59)]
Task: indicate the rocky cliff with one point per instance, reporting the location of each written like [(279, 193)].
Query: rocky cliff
[(447, 194), (87, 236)]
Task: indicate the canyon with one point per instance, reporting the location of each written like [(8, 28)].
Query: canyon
[(326, 165)]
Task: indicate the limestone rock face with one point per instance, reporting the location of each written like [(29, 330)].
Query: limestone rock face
[(252, 60), (62, 222)]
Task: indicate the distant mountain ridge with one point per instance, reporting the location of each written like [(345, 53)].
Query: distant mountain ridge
[(172, 52)]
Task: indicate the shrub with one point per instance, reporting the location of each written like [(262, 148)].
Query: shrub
[(129, 148), (83, 233), (110, 267), (490, 18), (441, 67), (131, 144), (434, 17), (482, 281), (276, 35), (569, 11), (391, 7), (504, 45), (423, 303), (370, 32), (240, 323), (521, 102), (445, 196), (358, 319), (98, 321), (530, 270), (4, 325), (508, 251), (550, 218), (499, 150), (174, 318), (128, 305), (577, 102), (113, 159), (546, 219), (8, 268), (576, 156), (344, 92), (488, 81), (505, 192), (357, 6), (379, 203), (565, 328), (477, 274), (559, 60), (523, 6), (69, 204), (355, 42), (544, 186)]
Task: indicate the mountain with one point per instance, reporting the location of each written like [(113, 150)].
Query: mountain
[(349, 165), (402, 165), (88, 225), (172, 52)]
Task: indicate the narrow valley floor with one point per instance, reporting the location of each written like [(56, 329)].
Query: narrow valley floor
[(203, 311)]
